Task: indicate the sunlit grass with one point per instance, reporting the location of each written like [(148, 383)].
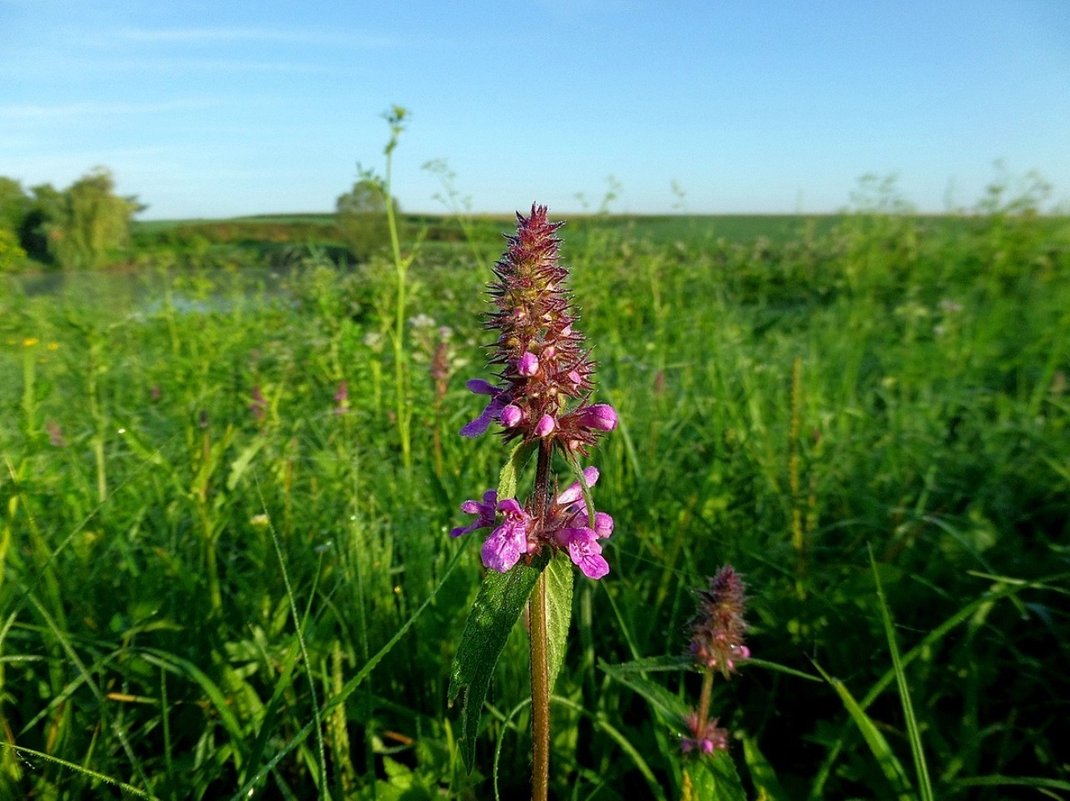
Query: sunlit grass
[(891, 384)]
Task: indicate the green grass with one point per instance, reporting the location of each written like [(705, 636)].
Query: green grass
[(206, 593)]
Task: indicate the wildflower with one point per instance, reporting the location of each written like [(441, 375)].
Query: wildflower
[(55, 434), (29, 342), (53, 346), (706, 736), (503, 548), (260, 520), (422, 321), (258, 404), (341, 398), (490, 412), (542, 395), (484, 511), (543, 363), (718, 627), (566, 526)]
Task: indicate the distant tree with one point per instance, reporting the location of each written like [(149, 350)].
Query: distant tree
[(87, 225), (361, 216), (14, 204), (46, 204), (12, 256)]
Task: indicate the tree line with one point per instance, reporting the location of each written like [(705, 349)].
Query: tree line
[(88, 225), (82, 227)]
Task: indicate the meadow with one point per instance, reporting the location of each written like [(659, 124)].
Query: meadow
[(226, 504)]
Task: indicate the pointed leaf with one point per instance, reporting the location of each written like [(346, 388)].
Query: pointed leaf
[(762, 775), (878, 746), (657, 696), (496, 609), (715, 777), (510, 473), (559, 580)]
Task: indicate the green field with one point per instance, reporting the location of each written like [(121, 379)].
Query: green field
[(224, 577)]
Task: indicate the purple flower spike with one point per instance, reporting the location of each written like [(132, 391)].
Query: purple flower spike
[(528, 364), (542, 401), (718, 626), (511, 416), (485, 512), (509, 541)]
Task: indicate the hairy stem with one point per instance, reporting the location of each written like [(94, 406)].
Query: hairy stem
[(704, 703), (540, 674)]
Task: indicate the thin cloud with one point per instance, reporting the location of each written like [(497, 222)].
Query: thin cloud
[(269, 35), (32, 111)]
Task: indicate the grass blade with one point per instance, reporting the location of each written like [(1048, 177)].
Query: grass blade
[(925, 789), (878, 746)]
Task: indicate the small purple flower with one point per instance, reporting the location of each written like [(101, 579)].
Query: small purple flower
[(566, 527), (505, 545), (55, 434), (584, 551), (545, 426), (490, 412), (528, 364), (485, 512), (574, 491), (598, 416), (341, 398), (711, 738), (511, 416), (603, 524), (258, 404)]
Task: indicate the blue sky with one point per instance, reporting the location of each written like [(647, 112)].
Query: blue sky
[(207, 109)]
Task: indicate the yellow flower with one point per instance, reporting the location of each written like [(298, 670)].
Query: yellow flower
[(53, 346), (29, 342)]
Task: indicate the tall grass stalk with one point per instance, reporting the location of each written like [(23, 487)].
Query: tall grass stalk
[(402, 410), (925, 789)]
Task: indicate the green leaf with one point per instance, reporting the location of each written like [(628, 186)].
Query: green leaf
[(653, 664), (714, 777), (878, 746), (559, 579), (242, 462), (496, 609), (657, 696), (761, 772), (925, 789), (510, 474)]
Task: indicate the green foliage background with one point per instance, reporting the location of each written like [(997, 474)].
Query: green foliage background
[(216, 569)]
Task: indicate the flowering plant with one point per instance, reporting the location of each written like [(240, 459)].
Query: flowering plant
[(541, 400)]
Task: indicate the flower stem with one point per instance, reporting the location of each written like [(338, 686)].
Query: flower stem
[(540, 677), (704, 702), (540, 693)]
